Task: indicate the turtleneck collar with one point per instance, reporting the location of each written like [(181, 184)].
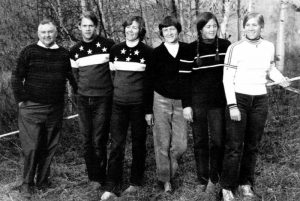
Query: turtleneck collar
[(132, 44), (208, 41), (256, 40)]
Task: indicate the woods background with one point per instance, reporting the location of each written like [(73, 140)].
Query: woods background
[(279, 164)]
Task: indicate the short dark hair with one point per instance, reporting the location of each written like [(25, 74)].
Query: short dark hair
[(140, 21), (47, 21), (203, 20), (89, 15), (169, 21), (258, 16)]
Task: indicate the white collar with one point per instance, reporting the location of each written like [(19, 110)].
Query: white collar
[(132, 43), (54, 46)]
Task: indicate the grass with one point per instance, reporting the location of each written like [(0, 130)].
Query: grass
[(278, 166)]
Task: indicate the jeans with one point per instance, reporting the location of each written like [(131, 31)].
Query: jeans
[(208, 134), (40, 126), (94, 117), (169, 135), (242, 140), (122, 115)]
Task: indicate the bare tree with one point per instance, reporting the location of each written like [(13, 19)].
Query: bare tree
[(280, 46), (223, 26), (83, 4)]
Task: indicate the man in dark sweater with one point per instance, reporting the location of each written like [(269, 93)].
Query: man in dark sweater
[(89, 60), (128, 61), (38, 83)]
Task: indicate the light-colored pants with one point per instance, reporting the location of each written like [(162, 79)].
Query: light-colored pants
[(169, 135)]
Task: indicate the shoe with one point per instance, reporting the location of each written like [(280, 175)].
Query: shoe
[(25, 191), (106, 196), (44, 185), (168, 187), (246, 191), (130, 190), (210, 188), (227, 195), (95, 185)]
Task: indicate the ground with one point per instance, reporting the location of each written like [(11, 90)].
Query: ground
[(277, 171)]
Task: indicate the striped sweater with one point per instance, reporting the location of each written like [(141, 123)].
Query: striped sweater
[(206, 79), (247, 66), (91, 68), (41, 74), (128, 65)]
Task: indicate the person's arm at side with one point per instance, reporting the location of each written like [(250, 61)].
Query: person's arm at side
[(185, 71), (230, 67), (274, 74), (18, 77), (148, 87)]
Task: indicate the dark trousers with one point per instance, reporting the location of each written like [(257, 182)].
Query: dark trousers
[(122, 115), (40, 126), (242, 140), (208, 134), (94, 117)]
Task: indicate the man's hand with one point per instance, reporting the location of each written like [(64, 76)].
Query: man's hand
[(188, 114), (149, 119), (285, 82), (235, 114)]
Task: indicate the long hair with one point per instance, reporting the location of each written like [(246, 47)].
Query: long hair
[(203, 19)]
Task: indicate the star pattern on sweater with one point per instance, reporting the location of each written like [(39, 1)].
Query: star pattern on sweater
[(89, 51), (136, 52), (128, 59), (142, 60), (104, 49), (123, 51), (98, 44), (116, 59), (76, 56), (81, 48)]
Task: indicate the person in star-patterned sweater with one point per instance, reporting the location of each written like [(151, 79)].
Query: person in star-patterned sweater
[(90, 63), (128, 61)]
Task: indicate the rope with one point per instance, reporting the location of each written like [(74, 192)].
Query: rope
[(15, 132)]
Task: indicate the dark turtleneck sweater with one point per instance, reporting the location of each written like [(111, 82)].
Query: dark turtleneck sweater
[(206, 79)]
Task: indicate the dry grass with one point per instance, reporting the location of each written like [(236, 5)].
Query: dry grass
[(278, 168)]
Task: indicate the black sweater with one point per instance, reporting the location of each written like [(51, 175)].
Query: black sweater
[(167, 75), (206, 79), (41, 74)]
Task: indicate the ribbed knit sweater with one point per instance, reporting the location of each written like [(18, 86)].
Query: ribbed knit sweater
[(207, 79), (41, 74)]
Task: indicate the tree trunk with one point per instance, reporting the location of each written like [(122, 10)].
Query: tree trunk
[(102, 18), (238, 10), (148, 39), (280, 46), (223, 26), (250, 6), (83, 5)]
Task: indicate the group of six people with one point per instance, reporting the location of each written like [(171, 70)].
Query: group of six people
[(216, 86)]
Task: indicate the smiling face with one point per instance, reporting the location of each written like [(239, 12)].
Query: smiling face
[(209, 31), (253, 28), (132, 31), (170, 34), (47, 34), (88, 29)]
